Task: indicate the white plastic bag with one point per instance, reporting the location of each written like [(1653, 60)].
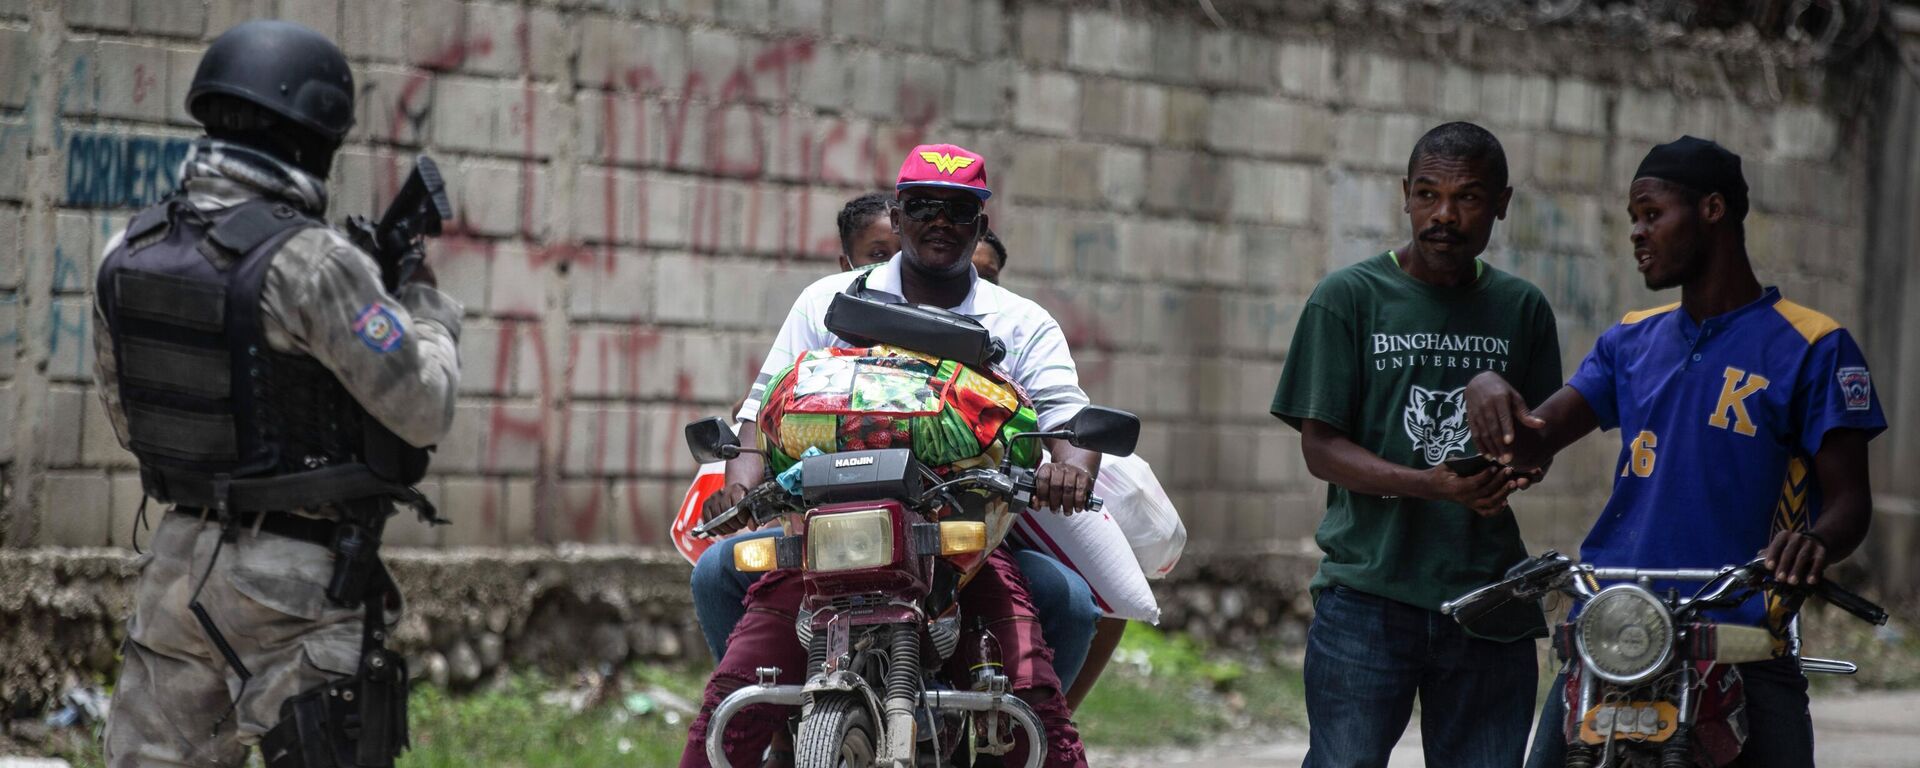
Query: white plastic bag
[(1136, 535), (1092, 545), (1136, 501)]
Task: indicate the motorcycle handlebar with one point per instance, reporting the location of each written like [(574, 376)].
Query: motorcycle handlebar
[(764, 503), (1024, 482), (705, 529), (1015, 483), (1476, 604), (1540, 573), (1019, 482), (1847, 601)]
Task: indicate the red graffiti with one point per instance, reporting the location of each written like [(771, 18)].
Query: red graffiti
[(734, 144), (143, 83), (715, 127), (629, 352), (503, 425), (408, 113), (683, 412)]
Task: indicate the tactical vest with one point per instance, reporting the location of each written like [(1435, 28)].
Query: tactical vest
[(217, 419)]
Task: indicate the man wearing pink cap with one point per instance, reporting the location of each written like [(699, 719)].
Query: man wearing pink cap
[(942, 191)]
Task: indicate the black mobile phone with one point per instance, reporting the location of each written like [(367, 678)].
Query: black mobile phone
[(1467, 466)]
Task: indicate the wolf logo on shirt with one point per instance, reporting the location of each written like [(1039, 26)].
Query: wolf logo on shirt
[(1436, 421)]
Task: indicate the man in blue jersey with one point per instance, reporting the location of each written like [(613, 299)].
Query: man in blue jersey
[(1744, 421)]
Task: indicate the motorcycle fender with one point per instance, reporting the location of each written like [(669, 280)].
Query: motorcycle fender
[(866, 617), (838, 681), (892, 614), (846, 682)]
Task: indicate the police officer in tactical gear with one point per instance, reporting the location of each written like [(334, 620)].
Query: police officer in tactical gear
[(277, 396)]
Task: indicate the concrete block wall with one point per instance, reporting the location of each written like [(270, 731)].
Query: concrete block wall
[(643, 187)]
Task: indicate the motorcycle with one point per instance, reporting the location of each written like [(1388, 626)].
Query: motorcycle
[(1650, 678), (884, 545)]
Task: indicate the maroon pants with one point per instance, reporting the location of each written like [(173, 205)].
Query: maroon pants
[(765, 638)]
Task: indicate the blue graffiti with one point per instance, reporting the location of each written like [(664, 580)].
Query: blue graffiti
[(9, 333), (107, 170), (63, 323), (79, 75), (25, 127)]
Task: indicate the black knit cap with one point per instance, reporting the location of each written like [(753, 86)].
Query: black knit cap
[(1701, 165)]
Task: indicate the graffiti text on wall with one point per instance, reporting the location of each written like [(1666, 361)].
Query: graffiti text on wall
[(106, 170)]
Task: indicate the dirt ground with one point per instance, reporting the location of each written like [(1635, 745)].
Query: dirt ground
[(1865, 730)]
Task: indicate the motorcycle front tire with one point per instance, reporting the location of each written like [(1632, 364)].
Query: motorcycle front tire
[(839, 734)]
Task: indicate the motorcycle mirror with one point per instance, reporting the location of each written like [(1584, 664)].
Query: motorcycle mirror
[(712, 440), (1105, 430)]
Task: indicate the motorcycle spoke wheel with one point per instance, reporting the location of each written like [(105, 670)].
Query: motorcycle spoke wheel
[(839, 734)]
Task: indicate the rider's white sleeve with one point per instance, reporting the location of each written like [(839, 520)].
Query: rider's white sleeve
[(804, 329), (1043, 364)]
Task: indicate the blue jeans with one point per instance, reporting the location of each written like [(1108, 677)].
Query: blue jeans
[(1779, 729), (1061, 597), (720, 590), (1368, 657), (1067, 612)]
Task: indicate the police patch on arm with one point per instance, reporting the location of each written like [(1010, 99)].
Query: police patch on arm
[(379, 328)]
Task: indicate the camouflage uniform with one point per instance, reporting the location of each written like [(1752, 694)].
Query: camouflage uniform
[(178, 702)]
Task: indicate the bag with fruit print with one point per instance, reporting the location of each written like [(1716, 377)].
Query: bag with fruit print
[(953, 416)]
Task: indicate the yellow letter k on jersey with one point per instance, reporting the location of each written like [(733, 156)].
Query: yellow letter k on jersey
[(945, 163), (1733, 397)]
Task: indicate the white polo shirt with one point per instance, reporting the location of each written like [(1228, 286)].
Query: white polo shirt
[(1037, 356)]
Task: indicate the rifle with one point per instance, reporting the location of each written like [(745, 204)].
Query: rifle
[(414, 215), (397, 245)]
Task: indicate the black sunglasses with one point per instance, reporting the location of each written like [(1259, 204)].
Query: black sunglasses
[(928, 208)]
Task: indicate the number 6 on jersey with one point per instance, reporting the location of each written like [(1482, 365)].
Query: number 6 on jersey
[(1640, 463)]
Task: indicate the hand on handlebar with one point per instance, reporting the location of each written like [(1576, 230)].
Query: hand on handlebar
[(744, 472), (1062, 487), (1796, 557), (1771, 565), (722, 500)]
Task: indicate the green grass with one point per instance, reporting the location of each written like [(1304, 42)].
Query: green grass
[(1889, 657), (525, 722), (1159, 689), (1163, 689), (80, 747)]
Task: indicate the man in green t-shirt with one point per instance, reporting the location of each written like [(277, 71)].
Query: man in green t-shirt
[(1374, 381)]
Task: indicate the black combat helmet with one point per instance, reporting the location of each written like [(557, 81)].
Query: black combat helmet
[(285, 70)]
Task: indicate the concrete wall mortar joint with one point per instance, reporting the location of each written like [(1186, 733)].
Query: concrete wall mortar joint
[(644, 188)]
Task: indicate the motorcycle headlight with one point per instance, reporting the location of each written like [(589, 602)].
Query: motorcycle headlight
[(1625, 635), (850, 540)]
